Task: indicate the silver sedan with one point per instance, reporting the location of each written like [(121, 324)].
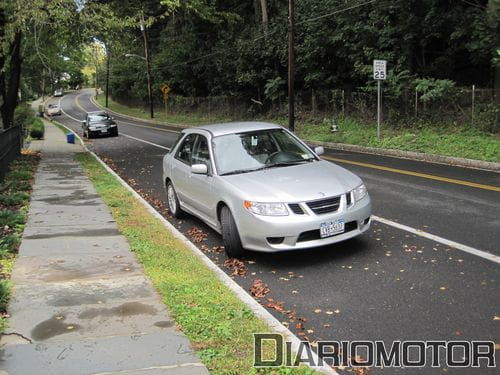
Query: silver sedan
[(262, 188)]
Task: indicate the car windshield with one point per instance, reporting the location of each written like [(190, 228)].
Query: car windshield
[(98, 118), (251, 151)]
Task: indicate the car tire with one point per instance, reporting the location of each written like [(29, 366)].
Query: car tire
[(173, 202), (230, 235)]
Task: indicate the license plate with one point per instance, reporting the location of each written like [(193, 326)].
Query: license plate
[(104, 130), (331, 228)]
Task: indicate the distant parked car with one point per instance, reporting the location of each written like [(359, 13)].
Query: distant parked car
[(263, 189), (58, 92), (99, 123), (53, 110)]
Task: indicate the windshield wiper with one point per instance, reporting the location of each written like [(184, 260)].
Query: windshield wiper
[(288, 163), (238, 171)]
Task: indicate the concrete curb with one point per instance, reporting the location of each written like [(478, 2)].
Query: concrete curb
[(419, 156), (256, 308), (411, 155)]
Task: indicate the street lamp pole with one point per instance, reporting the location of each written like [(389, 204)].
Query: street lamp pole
[(148, 68)]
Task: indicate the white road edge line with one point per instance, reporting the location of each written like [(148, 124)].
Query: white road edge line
[(142, 140), (444, 241), (273, 323)]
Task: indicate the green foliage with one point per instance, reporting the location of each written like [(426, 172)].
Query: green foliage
[(37, 129), (23, 115), (273, 88), (11, 218), (4, 294), (434, 89), (14, 199)]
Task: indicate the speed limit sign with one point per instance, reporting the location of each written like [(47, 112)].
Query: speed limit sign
[(379, 69)]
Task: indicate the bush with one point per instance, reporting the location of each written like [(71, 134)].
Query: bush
[(10, 218), (4, 294), (15, 199), (23, 116), (37, 129)]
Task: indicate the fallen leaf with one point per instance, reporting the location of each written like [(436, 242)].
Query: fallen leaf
[(259, 289), (237, 266)]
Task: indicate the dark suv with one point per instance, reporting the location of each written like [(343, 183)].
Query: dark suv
[(99, 123)]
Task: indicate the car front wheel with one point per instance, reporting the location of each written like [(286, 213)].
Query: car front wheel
[(173, 202), (230, 235)]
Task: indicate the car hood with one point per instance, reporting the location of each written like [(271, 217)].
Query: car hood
[(294, 183)]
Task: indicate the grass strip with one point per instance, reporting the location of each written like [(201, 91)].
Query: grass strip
[(15, 190), (447, 139), (219, 325)]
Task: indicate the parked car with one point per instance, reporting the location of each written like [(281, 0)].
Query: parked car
[(262, 188), (99, 123), (53, 110), (58, 92)]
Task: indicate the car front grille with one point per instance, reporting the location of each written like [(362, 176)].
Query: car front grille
[(295, 207), (324, 206)]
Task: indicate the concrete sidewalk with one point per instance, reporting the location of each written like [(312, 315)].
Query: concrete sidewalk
[(81, 303)]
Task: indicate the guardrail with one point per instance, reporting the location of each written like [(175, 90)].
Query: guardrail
[(10, 147)]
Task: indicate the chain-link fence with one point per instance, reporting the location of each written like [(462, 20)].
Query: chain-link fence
[(462, 106)]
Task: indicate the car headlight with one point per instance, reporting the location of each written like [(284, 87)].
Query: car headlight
[(359, 193), (266, 209), (112, 126)]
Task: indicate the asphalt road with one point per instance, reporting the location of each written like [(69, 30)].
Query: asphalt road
[(389, 284)]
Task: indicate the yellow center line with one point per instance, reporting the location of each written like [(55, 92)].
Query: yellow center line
[(417, 174)]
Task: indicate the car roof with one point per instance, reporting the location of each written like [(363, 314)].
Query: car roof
[(234, 127)]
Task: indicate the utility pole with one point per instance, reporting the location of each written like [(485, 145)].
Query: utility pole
[(148, 68), (107, 74), (291, 70)]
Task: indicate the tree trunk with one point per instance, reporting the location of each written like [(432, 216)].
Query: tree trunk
[(265, 16), (9, 81)]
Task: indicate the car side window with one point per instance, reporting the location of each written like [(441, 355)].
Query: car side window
[(201, 154), (185, 151)]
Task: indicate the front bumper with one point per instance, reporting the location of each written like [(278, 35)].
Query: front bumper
[(294, 232)]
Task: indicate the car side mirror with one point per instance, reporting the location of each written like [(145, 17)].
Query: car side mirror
[(83, 122), (319, 150), (199, 169)]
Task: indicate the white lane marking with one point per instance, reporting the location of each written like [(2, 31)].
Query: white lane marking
[(444, 241), (142, 140)]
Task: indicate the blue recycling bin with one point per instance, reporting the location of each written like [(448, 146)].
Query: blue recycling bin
[(70, 137)]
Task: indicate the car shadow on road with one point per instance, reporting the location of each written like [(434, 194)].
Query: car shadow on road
[(310, 257)]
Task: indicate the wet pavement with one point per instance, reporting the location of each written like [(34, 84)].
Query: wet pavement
[(81, 303)]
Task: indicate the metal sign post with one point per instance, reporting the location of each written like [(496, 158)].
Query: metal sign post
[(379, 73)]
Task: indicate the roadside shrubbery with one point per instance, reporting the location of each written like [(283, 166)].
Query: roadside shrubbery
[(14, 200), (37, 129)]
